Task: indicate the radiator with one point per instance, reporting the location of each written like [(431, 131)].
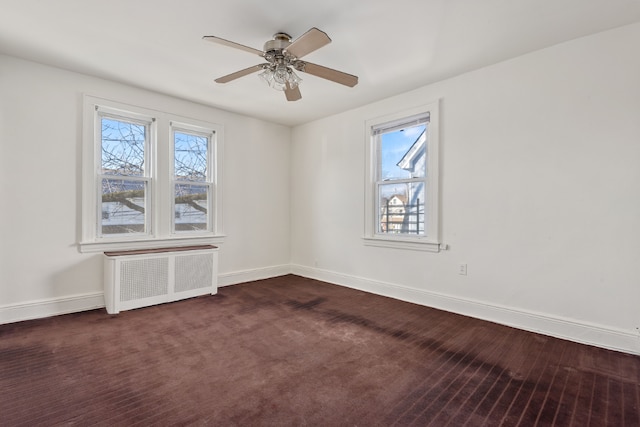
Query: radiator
[(140, 278)]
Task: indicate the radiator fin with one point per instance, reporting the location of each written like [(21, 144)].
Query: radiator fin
[(143, 278), (193, 272)]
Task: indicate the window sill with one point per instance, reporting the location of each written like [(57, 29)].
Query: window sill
[(108, 246), (406, 243)]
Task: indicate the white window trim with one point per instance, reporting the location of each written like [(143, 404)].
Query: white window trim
[(160, 221), (149, 161), (431, 241), (211, 172)]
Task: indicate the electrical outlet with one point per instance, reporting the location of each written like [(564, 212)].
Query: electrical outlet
[(462, 269)]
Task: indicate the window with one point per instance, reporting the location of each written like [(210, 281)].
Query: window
[(192, 180), (124, 176), (402, 180), (150, 178)]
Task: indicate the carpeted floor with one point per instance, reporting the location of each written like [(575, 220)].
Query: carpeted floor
[(294, 351)]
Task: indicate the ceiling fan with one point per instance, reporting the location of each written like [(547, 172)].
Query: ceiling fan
[(283, 57)]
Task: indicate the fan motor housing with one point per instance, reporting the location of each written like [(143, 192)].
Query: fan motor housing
[(280, 41)]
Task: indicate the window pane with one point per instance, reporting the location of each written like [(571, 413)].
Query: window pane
[(122, 147), (403, 153), (191, 203), (190, 154), (401, 208), (123, 206)]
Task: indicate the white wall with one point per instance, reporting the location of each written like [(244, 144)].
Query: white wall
[(540, 182), (41, 270)]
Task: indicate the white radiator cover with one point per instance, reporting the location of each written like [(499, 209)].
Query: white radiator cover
[(141, 278)]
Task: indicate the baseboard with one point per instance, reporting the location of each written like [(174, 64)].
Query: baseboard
[(50, 307), (72, 304), (584, 333), (236, 277)]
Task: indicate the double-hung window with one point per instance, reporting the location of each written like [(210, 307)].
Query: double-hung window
[(150, 178), (124, 175), (402, 180), (192, 179)]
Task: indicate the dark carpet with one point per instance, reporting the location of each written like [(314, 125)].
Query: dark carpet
[(294, 351)]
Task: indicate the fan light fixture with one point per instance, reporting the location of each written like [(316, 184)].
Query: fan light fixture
[(280, 76), (283, 57)]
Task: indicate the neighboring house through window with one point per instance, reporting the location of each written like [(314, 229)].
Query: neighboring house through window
[(402, 191)]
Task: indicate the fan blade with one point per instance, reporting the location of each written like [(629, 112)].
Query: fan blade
[(308, 42), (232, 44), (238, 74), (292, 94), (329, 74)]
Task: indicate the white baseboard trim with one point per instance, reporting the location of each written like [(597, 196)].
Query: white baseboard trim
[(236, 277), (72, 304), (50, 307), (584, 333)]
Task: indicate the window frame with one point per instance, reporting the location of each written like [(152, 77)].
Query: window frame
[(160, 211), (147, 177), (430, 240), (210, 181)]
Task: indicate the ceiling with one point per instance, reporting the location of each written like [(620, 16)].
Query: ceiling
[(393, 46)]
